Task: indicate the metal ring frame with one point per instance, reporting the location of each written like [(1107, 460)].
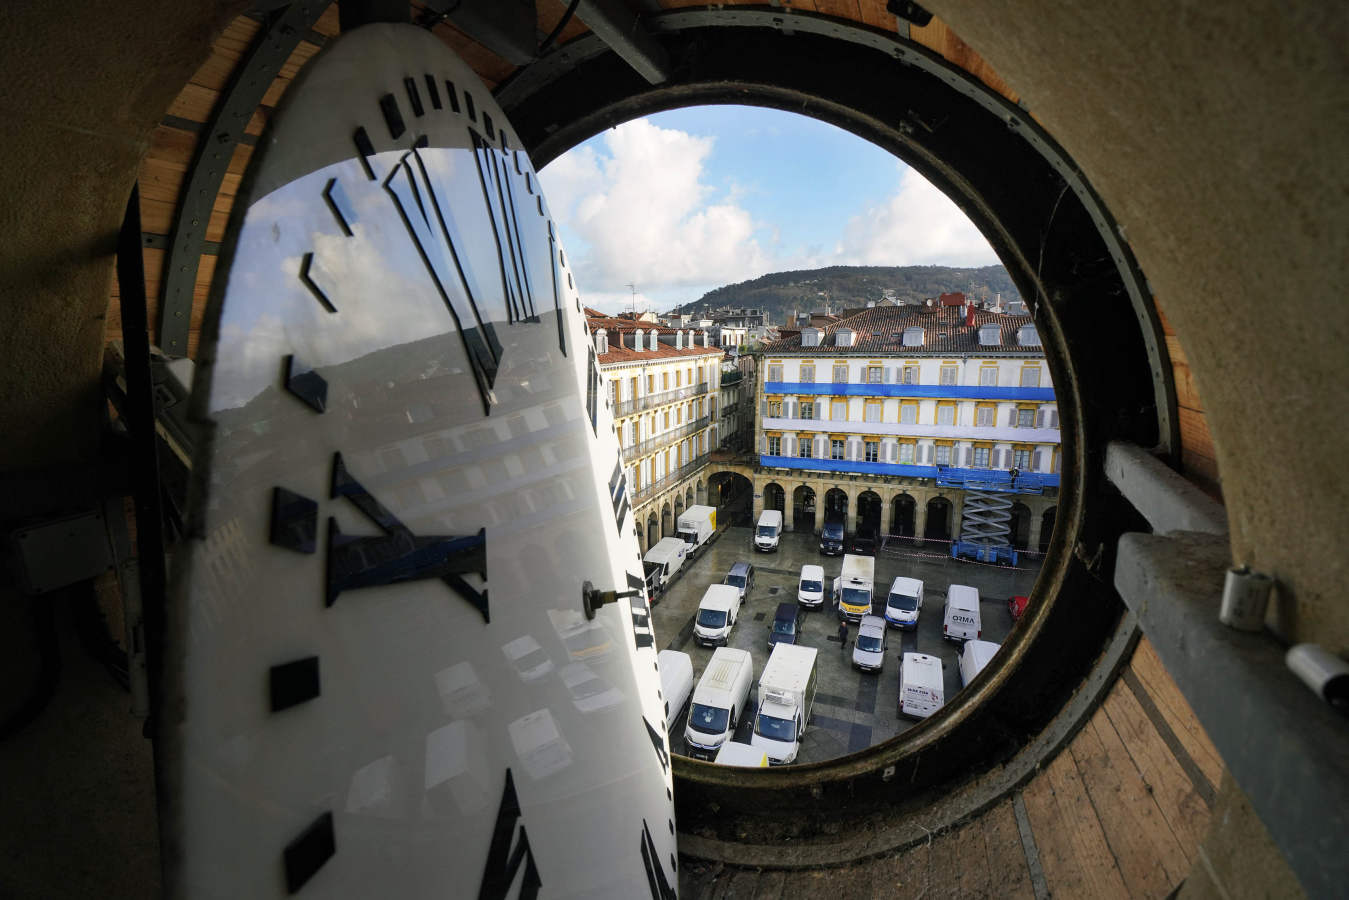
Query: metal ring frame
[(1103, 344)]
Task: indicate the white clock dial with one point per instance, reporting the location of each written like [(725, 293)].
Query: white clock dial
[(384, 679)]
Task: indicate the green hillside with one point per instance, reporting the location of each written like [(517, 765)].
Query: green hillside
[(851, 286)]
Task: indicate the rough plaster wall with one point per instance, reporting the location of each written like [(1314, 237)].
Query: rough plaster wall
[(1218, 135), (81, 91)]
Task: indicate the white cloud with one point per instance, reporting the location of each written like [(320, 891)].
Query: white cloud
[(919, 225), (646, 214)]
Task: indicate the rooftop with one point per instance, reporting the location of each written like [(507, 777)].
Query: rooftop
[(881, 330)]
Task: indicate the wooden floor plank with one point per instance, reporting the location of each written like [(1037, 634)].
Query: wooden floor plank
[(1174, 793), (1149, 856), (900, 875), (1076, 859), (1177, 712), (1007, 869)]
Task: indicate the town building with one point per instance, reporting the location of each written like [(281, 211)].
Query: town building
[(935, 422), (664, 386)]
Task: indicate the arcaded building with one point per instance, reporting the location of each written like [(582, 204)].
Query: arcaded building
[(934, 422)]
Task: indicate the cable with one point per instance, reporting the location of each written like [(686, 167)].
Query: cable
[(562, 23)]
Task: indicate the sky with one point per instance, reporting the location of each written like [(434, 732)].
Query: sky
[(682, 202)]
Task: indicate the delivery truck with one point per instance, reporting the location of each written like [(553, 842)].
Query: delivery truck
[(785, 697), (853, 587), (668, 553), (718, 701), (696, 527)]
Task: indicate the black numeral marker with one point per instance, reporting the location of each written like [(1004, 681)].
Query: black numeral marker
[(593, 388), (554, 255), (413, 193), (661, 889), (398, 555), (618, 495), (497, 190), (658, 742), (503, 862)]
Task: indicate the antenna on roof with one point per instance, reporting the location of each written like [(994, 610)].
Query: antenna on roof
[(632, 287)]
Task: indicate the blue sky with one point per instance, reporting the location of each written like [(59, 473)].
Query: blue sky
[(685, 201)]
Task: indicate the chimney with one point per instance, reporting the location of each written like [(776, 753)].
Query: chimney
[(706, 340), (679, 339), (638, 346), (654, 339), (969, 315)]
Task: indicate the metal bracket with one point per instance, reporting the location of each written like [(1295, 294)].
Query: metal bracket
[(215, 147)]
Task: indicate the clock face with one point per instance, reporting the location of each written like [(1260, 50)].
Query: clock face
[(382, 678)]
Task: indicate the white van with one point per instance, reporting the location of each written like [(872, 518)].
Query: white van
[(960, 614), (922, 690), (868, 651), (676, 682), (973, 657), (733, 753), (769, 530), (718, 701), (717, 612), (668, 553), (810, 591), (904, 602)]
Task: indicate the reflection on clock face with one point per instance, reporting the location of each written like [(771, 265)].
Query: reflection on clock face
[(387, 683)]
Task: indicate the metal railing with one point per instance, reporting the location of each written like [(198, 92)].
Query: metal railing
[(664, 438), (647, 490), (639, 404)]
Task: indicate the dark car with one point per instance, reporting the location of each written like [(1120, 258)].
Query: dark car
[(863, 542), (831, 538), (786, 627)]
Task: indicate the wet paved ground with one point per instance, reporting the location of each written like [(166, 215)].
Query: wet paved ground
[(853, 709)]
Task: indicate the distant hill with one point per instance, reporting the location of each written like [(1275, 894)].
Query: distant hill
[(851, 286)]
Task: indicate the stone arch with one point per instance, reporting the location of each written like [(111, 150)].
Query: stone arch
[(774, 497), (688, 496), (803, 508), (938, 526), (666, 520), (835, 504), (1047, 527), (679, 505), (902, 510), (700, 493), (652, 529), (1019, 525), (869, 510)]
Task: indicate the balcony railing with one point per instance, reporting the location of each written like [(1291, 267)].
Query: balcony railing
[(646, 491), (650, 401), (664, 438)]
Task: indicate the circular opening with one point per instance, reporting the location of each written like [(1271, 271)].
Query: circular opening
[(1093, 314)]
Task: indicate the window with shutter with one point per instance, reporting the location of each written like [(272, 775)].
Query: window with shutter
[(840, 410), (946, 414), (775, 373), (1025, 418), (949, 374), (840, 374), (836, 449), (873, 412), (910, 374), (1053, 418), (908, 414), (969, 457), (1035, 460), (874, 375), (808, 374), (1039, 419), (1030, 377), (988, 376)]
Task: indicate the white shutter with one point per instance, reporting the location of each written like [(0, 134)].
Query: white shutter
[(1053, 418), (894, 451), (924, 454), (969, 457), (821, 446), (1035, 460), (763, 408), (997, 459)]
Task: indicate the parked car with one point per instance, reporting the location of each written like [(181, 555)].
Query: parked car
[(786, 627), (741, 577), (864, 541), (868, 651), (1017, 606), (831, 538)]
